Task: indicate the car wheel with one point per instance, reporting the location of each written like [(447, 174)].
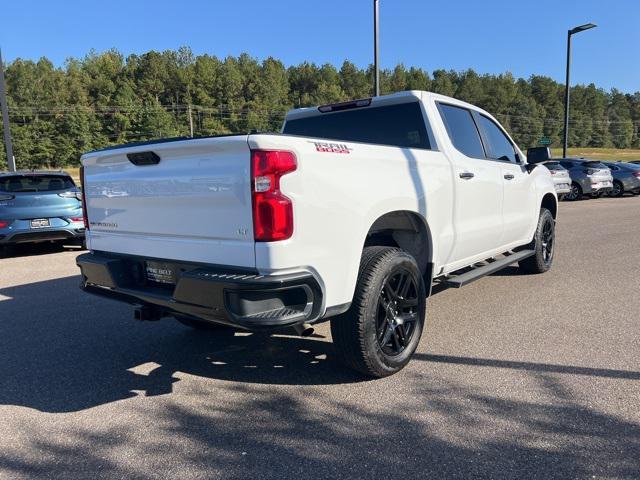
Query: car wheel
[(6, 251), (575, 193), (636, 192), (379, 333), (201, 324), (543, 244), (617, 190)]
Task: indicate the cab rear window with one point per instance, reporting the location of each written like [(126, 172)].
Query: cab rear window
[(400, 125), (35, 183)]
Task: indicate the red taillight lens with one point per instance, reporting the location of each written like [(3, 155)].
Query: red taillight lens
[(77, 219), (4, 224), (636, 174), (84, 199), (272, 211)]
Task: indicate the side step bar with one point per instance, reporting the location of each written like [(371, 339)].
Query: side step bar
[(458, 281)]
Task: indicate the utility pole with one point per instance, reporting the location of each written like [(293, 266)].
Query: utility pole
[(11, 161), (376, 50), (190, 122)]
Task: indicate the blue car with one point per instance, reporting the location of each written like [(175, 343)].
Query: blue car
[(40, 207)]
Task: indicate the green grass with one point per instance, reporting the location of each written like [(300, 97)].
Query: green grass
[(613, 154)]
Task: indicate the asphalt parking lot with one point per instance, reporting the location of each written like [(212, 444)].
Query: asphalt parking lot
[(516, 377)]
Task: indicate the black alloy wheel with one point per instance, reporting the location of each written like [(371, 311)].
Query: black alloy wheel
[(575, 193), (548, 241), (617, 190), (396, 316)]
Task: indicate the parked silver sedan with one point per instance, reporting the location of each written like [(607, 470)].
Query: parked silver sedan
[(561, 177), (626, 178)]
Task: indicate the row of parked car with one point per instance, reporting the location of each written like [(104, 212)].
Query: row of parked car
[(46, 206), (576, 177)]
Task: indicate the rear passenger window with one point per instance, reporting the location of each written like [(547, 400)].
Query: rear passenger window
[(462, 130), (566, 164), (400, 125), (498, 145)]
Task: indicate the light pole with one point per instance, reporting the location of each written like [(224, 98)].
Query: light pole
[(571, 32), (11, 162), (376, 51)]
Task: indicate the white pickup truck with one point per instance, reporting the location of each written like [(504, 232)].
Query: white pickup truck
[(351, 213)]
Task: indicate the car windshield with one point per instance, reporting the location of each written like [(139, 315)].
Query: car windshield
[(35, 183)]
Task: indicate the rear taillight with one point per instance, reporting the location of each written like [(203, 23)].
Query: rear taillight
[(636, 174), (84, 198), (272, 211), (4, 224), (77, 219)]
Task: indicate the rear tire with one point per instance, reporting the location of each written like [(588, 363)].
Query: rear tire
[(617, 190), (543, 244), (575, 193), (380, 332)]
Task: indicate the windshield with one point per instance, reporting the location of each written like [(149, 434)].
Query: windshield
[(35, 183)]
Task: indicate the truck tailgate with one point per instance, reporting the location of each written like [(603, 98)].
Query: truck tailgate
[(193, 205)]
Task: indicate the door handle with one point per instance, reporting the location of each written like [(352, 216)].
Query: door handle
[(466, 175), (509, 176)]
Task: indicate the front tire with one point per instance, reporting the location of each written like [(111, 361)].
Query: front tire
[(380, 332), (543, 244)]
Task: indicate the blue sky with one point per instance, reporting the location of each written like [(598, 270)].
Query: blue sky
[(490, 36)]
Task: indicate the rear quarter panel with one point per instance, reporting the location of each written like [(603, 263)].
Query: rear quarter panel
[(338, 196)]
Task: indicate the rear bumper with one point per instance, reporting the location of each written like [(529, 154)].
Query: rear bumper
[(240, 298), (601, 186), (12, 236), (563, 187)]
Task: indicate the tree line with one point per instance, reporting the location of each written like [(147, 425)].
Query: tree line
[(57, 113)]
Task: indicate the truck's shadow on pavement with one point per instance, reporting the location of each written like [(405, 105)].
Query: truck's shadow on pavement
[(62, 350)]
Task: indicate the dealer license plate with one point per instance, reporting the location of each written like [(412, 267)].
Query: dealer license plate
[(160, 272)]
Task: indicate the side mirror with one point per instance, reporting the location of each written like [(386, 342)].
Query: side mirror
[(538, 155)]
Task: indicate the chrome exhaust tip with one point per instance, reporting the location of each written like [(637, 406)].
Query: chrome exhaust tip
[(303, 329)]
